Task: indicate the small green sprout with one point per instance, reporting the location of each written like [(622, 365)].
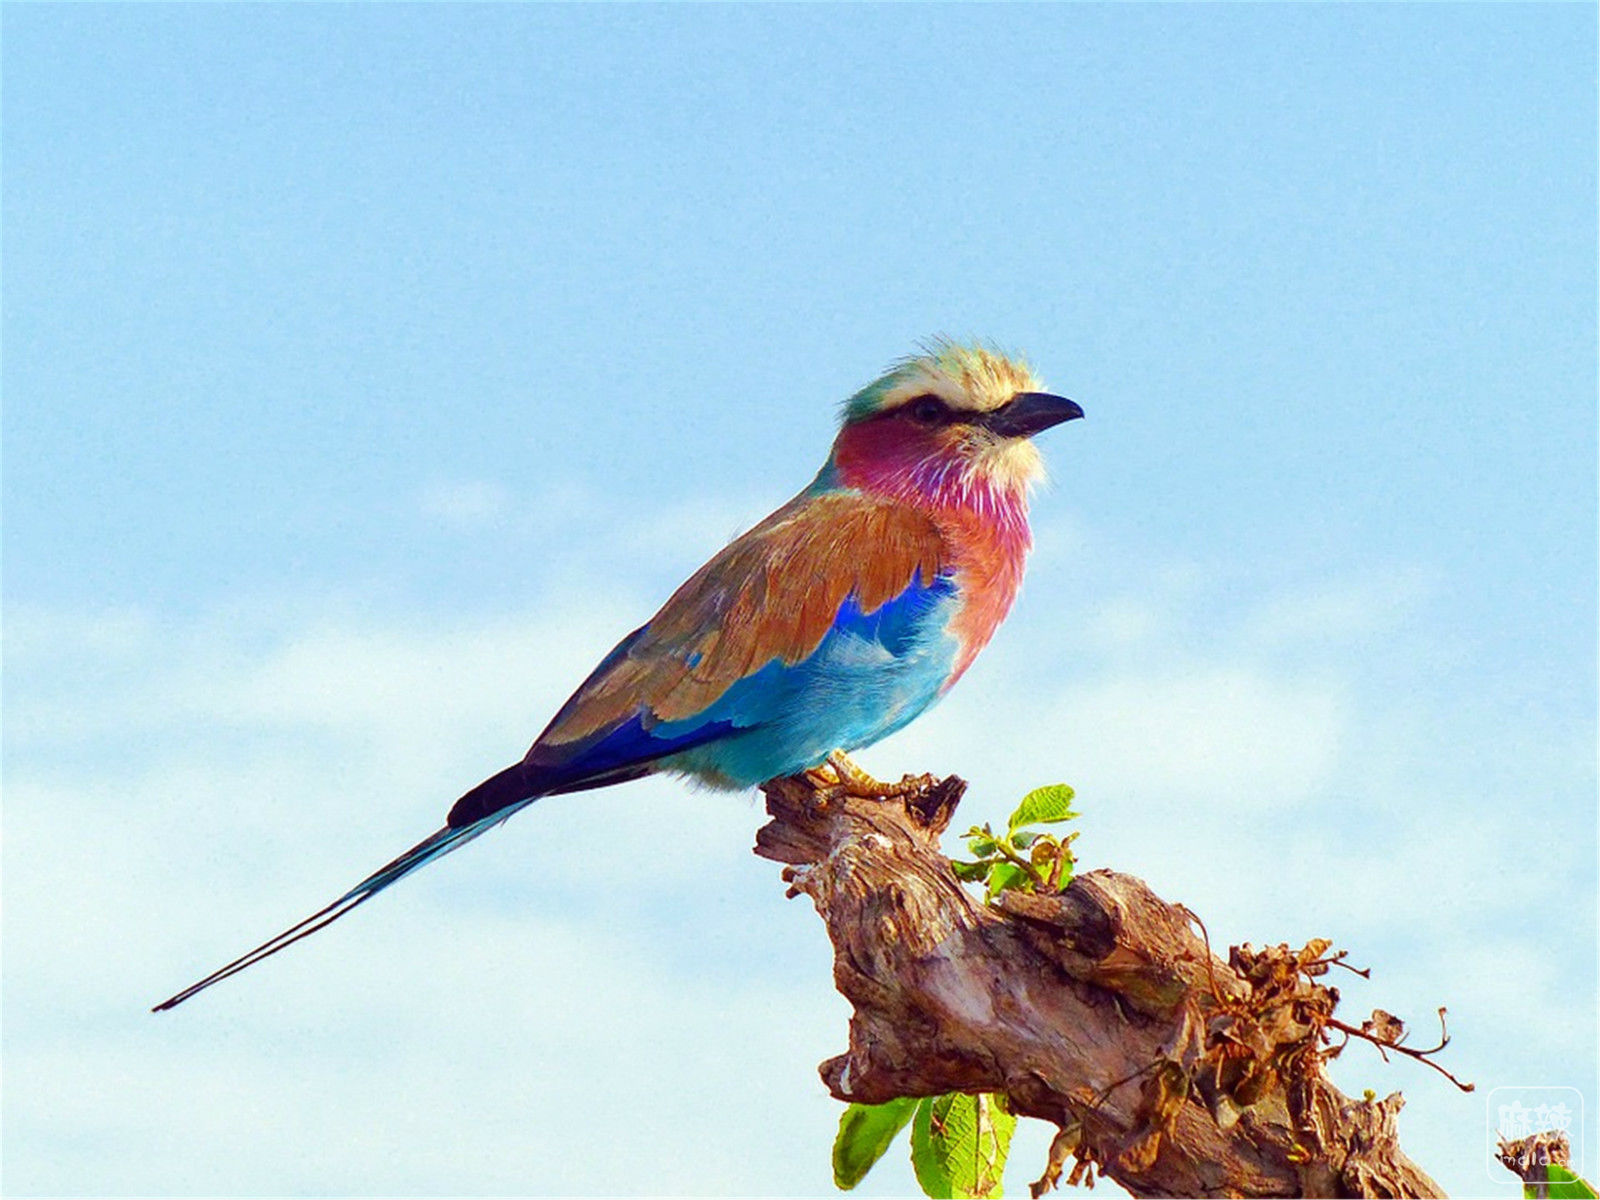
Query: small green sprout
[(1023, 857)]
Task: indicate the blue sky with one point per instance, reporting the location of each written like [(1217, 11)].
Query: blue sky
[(369, 370)]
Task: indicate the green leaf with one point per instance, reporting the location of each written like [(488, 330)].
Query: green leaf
[(1003, 875), (1563, 1185), (959, 1145), (1042, 806), (973, 872), (980, 845), (865, 1131)]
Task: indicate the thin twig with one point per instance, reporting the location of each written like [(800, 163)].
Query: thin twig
[(1420, 1055), (1013, 857), (1338, 961), (1205, 936)]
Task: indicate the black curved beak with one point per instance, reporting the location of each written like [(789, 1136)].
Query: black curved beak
[(1028, 413)]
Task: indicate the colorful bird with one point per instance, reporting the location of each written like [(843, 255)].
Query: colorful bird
[(827, 627)]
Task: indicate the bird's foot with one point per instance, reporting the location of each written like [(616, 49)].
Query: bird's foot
[(826, 786), (839, 777)]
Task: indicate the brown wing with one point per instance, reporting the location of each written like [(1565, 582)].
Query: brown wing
[(773, 593)]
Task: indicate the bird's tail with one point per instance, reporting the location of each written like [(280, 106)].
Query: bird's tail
[(420, 855)]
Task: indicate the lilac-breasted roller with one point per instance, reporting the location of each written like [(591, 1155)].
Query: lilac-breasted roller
[(828, 626)]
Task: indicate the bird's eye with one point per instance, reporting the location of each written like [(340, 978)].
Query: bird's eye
[(927, 410)]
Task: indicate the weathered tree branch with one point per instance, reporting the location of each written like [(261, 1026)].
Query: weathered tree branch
[(1531, 1158), (1098, 1009)]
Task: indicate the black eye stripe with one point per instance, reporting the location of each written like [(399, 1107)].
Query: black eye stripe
[(927, 409)]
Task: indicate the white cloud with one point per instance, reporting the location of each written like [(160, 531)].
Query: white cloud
[(465, 503), (499, 1024), (1228, 733), (1126, 622), (1350, 610), (33, 631), (610, 994)]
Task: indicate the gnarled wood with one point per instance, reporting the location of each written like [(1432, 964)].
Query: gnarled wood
[(1099, 1009)]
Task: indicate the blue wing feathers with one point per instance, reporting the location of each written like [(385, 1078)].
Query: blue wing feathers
[(872, 673)]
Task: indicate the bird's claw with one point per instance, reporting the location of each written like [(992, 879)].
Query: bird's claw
[(839, 777), (826, 786)]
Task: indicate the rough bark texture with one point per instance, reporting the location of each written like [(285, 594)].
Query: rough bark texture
[(1531, 1158), (1099, 1009)]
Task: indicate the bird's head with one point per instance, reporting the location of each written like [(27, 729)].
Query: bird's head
[(953, 424)]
